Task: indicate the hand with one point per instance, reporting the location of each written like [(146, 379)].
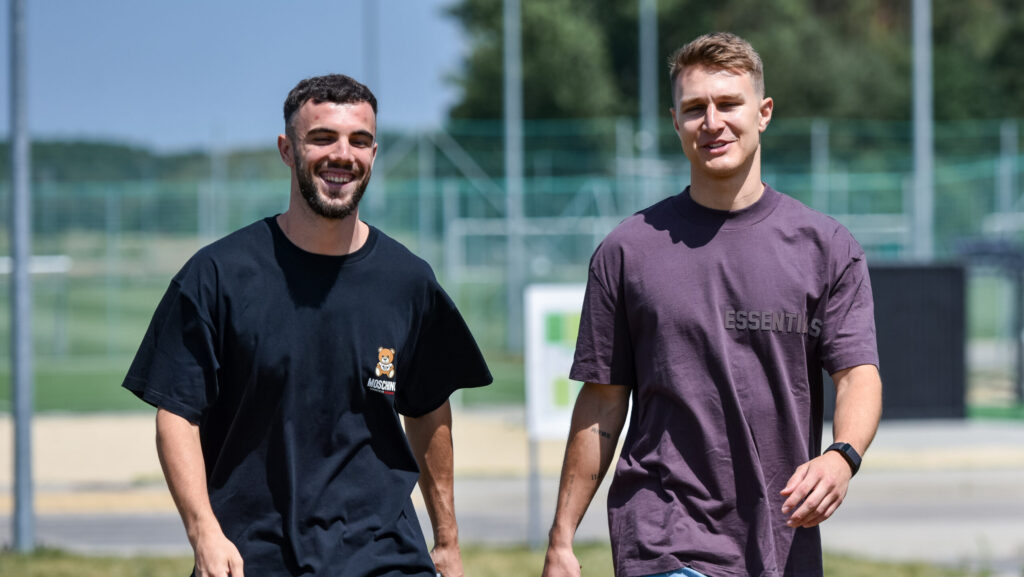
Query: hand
[(216, 556), (561, 561), (816, 490), (447, 560)]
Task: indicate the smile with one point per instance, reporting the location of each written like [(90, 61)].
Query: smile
[(336, 178)]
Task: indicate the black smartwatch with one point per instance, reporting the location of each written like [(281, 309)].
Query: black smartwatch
[(848, 453)]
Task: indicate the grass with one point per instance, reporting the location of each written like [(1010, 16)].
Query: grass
[(86, 330), (1011, 413), (479, 562)]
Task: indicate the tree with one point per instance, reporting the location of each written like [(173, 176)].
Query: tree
[(823, 58)]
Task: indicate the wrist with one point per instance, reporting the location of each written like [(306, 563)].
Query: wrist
[(559, 537), (446, 537), (849, 454)]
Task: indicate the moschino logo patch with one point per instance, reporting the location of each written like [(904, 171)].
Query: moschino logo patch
[(385, 372)]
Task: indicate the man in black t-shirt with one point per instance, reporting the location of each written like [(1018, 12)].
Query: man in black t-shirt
[(277, 427)]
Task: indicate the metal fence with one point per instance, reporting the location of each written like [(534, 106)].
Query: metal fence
[(443, 194)]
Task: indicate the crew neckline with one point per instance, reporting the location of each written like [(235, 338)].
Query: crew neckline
[(700, 215), (350, 258)]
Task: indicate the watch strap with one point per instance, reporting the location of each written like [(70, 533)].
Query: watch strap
[(849, 453)]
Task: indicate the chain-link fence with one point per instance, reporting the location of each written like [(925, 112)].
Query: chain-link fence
[(115, 245)]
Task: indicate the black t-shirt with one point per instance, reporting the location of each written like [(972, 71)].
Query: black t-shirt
[(295, 366)]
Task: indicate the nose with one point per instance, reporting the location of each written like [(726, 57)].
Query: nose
[(341, 151), (712, 120)]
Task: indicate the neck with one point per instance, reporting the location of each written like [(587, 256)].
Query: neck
[(316, 234), (734, 192)]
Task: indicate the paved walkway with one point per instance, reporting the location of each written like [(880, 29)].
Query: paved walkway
[(946, 492)]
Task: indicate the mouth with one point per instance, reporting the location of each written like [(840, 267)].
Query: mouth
[(717, 145), (336, 178)]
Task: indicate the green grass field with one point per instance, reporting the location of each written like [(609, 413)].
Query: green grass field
[(479, 562), (86, 331)]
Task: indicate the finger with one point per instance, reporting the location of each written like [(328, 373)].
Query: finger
[(794, 480), (815, 507), (797, 495), (235, 567), (823, 513)]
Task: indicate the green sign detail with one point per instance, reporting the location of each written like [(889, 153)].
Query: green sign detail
[(561, 328)]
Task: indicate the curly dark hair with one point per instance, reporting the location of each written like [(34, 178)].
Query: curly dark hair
[(336, 88)]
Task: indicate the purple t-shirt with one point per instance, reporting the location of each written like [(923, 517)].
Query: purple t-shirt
[(721, 322)]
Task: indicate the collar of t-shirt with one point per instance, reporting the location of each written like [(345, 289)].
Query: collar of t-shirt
[(700, 215)]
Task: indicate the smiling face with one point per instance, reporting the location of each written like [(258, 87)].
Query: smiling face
[(719, 117), (330, 149)]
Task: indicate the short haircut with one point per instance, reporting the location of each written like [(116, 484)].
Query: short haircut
[(336, 88), (719, 51)]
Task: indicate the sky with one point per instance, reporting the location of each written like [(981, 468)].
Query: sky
[(213, 74)]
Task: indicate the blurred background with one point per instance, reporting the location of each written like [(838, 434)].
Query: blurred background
[(153, 130)]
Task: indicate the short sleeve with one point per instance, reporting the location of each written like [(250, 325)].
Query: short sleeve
[(446, 358), (848, 325), (176, 366), (604, 350)]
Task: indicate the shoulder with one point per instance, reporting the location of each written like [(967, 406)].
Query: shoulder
[(796, 212), (398, 260), (819, 228), (236, 250), (640, 227)]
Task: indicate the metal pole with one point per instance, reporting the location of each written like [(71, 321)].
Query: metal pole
[(21, 301), (514, 173), (924, 145), (1018, 330), (819, 164), (371, 61), (427, 196), (647, 139), (534, 531), (1007, 182), (648, 65)]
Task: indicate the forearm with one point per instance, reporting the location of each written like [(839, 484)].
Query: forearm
[(597, 421), (181, 458), (430, 437), (858, 406)]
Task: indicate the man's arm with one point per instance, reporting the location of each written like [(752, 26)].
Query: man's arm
[(597, 420), (430, 437), (818, 487), (181, 456)]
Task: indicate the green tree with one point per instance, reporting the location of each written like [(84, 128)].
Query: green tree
[(823, 58), (566, 70)]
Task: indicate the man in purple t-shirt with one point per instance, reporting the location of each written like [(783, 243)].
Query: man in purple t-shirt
[(717, 310)]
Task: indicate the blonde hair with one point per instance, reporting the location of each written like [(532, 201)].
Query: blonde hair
[(719, 51)]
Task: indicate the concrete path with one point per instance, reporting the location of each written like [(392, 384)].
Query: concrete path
[(945, 492)]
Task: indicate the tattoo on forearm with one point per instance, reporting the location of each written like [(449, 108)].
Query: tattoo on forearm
[(594, 477), (600, 433)]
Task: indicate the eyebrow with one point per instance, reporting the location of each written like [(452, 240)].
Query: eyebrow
[(700, 100), (327, 131)]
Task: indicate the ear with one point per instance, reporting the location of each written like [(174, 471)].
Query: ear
[(284, 148), (675, 123), (767, 106)]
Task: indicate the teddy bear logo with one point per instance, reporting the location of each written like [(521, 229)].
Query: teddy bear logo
[(385, 362)]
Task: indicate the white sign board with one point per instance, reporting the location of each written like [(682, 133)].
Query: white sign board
[(552, 323)]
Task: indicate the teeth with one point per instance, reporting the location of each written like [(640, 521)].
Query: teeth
[(338, 179)]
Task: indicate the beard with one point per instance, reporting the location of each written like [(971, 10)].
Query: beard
[(319, 204)]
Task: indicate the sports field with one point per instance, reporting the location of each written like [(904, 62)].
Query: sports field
[(86, 330), (479, 562)]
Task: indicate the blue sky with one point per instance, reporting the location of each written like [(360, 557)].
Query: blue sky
[(201, 74)]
